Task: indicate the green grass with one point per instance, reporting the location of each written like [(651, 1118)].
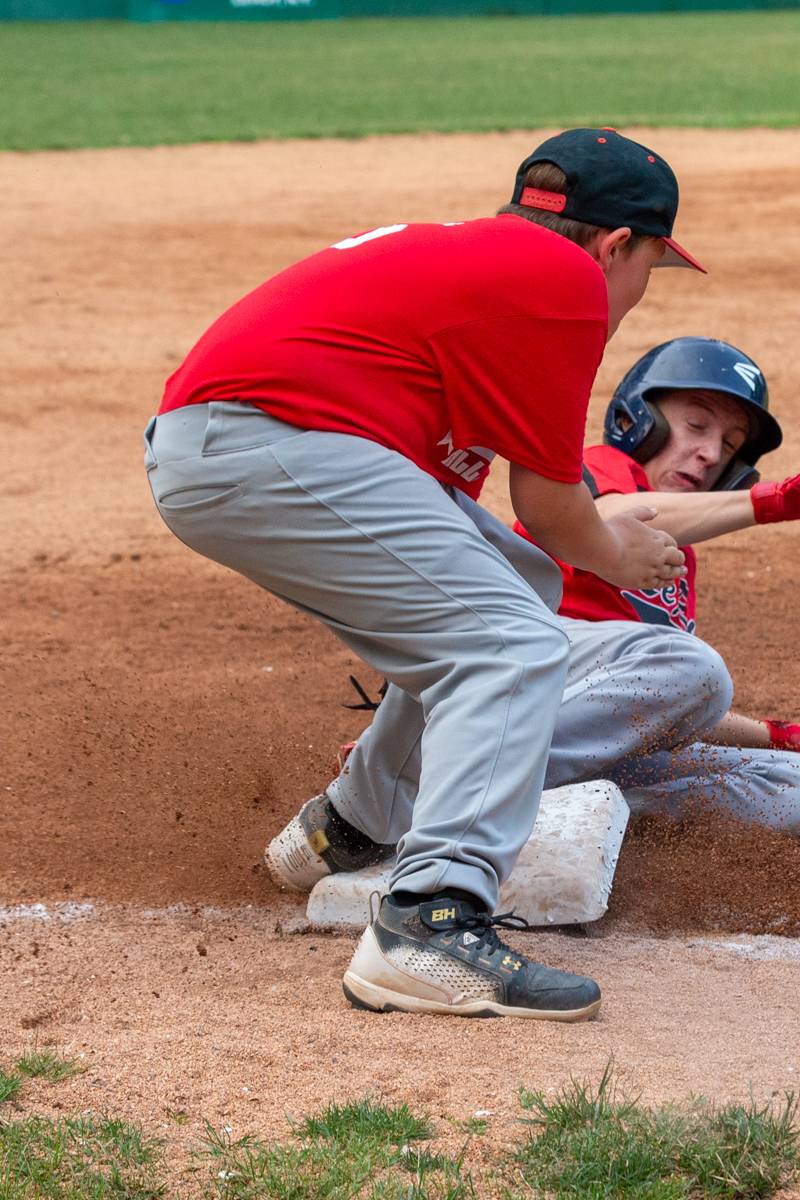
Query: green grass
[(584, 1143), (366, 1122), (46, 1064), (36, 1064), (83, 1158), (363, 1150), (75, 84), (9, 1085), (591, 1143)]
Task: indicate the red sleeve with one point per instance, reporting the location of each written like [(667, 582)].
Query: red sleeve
[(614, 471), (520, 386)]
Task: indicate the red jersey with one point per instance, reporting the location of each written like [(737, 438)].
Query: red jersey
[(446, 343), (590, 598)]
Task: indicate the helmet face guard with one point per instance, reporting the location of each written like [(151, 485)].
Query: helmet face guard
[(635, 425)]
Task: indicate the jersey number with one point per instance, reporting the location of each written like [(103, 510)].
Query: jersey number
[(349, 243)]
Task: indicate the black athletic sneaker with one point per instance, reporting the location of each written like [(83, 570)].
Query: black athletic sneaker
[(318, 842), (444, 956)]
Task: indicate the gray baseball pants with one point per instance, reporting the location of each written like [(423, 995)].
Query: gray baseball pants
[(361, 538), (757, 786), (636, 699)]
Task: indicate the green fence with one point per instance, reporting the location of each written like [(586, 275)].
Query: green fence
[(62, 10), (292, 10), (232, 10), (220, 10)]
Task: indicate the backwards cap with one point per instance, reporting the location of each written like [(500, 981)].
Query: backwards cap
[(611, 182)]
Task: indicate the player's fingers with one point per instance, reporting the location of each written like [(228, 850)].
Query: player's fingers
[(667, 573), (674, 556), (666, 538)]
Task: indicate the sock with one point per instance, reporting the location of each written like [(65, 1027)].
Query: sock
[(342, 833), (402, 899)]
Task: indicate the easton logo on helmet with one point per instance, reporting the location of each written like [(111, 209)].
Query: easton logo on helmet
[(748, 372)]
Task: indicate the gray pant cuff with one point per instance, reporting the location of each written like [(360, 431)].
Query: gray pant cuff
[(435, 876)]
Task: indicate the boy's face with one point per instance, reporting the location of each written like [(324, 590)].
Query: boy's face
[(706, 430), (627, 276)]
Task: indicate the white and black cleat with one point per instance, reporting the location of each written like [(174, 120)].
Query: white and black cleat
[(318, 842), (444, 956)]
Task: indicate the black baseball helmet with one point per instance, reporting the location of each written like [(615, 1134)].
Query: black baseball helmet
[(635, 425)]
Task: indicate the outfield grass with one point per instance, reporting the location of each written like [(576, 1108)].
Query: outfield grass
[(69, 85)]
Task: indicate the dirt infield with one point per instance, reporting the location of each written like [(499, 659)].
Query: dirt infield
[(163, 718)]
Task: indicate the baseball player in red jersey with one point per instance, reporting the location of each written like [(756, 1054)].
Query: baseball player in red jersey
[(687, 425), (326, 438)]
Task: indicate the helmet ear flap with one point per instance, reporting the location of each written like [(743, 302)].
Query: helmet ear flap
[(737, 476), (635, 426), (656, 437)]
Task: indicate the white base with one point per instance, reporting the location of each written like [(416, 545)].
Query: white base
[(563, 875)]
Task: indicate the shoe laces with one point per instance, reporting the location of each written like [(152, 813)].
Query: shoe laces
[(484, 926)]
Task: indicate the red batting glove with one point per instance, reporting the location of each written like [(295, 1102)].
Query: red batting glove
[(783, 736), (776, 501)]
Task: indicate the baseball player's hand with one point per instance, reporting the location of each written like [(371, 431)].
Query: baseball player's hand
[(646, 557), (783, 735), (776, 501)]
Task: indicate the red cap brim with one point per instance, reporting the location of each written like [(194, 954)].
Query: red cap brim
[(676, 256)]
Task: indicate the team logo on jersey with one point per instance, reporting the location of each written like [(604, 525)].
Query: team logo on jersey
[(664, 606), (470, 464), (748, 372)]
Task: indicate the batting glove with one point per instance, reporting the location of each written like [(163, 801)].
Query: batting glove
[(784, 736), (776, 501)]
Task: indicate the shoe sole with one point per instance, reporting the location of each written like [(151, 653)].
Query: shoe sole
[(370, 996), (291, 861)]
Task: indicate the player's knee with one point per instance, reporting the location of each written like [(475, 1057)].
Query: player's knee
[(712, 681), (544, 645)]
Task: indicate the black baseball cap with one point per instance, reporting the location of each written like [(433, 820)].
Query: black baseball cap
[(611, 181)]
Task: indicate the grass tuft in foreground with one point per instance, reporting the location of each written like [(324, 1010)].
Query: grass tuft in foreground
[(46, 1064), (9, 1085), (368, 1122), (82, 1158), (593, 1143), (363, 1150), (585, 1143)]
